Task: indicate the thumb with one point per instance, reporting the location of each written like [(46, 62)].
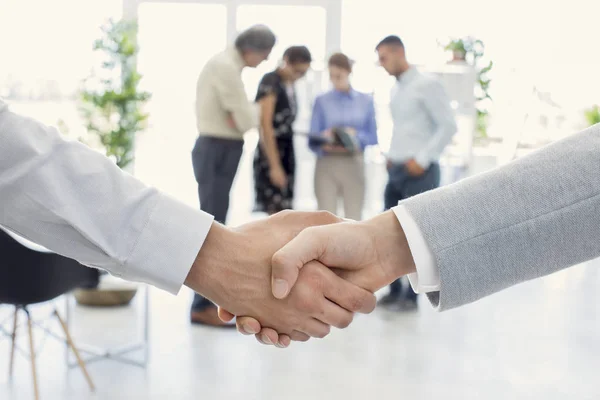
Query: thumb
[(286, 263)]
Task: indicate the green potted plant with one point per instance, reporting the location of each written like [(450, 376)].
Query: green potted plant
[(592, 115), (471, 50), (111, 102), (111, 105), (464, 48)]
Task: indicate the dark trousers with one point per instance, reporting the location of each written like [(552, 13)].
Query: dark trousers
[(215, 164), (401, 186)]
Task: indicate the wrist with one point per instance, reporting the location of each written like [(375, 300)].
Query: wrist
[(205, 276), (392, 246)]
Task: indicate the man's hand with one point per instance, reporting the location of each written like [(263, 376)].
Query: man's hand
[(413, 168), (233, 269), (370, 254)]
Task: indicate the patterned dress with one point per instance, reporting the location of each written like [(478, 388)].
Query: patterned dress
[(270, 198)]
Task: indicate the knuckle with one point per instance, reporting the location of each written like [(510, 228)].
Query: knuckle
[(278, 259), (285, 213), (281, 216), (326, 216)]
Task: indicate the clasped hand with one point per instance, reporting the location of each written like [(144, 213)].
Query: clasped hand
[(294, 275)]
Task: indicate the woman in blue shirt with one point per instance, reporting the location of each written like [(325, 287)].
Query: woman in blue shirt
[(338, 173)]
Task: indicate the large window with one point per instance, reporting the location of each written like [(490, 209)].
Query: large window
[(47, 51), (176, 40)]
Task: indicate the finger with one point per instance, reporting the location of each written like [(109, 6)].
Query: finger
[(248, 325), (335, 315), (268, 336), (284, 341), (225, 315), (315, 328), (346, 295), (260, 339), (286, 263), (298, 336)]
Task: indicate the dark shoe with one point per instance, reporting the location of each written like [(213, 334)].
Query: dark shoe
[(389, 300), (209, 317)]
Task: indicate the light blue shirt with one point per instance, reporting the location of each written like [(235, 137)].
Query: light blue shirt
[(351, 109), (423, 119)]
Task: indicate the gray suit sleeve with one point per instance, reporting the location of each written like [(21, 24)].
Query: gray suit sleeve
[(530, 218)]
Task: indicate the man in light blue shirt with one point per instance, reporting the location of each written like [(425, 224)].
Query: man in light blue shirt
[(423, 126)]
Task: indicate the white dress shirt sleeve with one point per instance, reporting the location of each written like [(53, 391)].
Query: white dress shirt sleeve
[(427, 277), (76, 202)]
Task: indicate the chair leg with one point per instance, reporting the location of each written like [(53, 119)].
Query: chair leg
[(32, 353), (75, 351), (13, 342)]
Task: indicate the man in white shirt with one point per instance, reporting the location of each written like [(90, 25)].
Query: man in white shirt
[(223, 115), (423, 125)]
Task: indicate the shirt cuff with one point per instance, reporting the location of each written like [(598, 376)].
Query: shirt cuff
[(427, 277), (168, 245)]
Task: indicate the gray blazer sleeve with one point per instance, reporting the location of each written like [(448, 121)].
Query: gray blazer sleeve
[(530, 218)]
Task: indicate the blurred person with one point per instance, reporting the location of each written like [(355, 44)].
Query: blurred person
[(423, 126), (223, 115), (275, 160), (338, 172)]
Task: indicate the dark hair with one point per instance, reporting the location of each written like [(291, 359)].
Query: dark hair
[(255, 38), (340, 60), (298, 55), (391, 40)]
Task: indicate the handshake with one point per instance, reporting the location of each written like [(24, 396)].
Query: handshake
[(294, 275)]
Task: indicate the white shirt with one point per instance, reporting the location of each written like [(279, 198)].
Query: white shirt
[(423, 119), (76, 202), (427, 277)]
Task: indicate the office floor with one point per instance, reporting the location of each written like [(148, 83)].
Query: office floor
[(538, 340)]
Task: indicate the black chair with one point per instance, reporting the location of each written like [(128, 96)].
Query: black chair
[(28, 277)]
